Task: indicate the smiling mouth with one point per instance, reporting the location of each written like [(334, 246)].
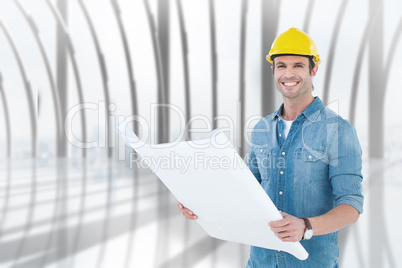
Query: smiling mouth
[(290, 84)]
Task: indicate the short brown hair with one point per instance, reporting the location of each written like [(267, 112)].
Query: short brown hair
[(310, 61)]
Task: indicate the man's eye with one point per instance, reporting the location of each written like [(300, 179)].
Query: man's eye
[(299, 66), (280, 66)]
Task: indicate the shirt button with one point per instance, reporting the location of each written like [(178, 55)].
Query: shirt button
[(280, 135), (261, 150), (283, 153), (309, 157), (280, 192), (281, 172)]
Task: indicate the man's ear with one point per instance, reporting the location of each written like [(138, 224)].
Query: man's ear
[(314, 71)]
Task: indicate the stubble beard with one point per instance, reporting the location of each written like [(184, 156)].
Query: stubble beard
[(303, 88)]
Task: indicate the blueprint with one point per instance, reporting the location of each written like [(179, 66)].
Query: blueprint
[(210, 178)]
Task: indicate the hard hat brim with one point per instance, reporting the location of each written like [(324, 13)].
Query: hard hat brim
[(271, 57)]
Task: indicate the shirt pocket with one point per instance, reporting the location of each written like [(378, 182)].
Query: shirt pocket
[(263, 156), (310, 166)]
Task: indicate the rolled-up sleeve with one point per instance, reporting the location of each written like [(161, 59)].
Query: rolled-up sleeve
[(345, 165)]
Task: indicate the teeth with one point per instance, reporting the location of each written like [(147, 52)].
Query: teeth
[(290, 84)]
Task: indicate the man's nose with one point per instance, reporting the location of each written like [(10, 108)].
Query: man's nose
[(289, 72)]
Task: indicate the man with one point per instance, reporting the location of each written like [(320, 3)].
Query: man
[(307, 159)]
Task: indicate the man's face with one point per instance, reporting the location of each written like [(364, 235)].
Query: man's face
[(292, 76)]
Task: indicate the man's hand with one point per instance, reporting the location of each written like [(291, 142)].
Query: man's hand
[(186, 212), (289, 229)]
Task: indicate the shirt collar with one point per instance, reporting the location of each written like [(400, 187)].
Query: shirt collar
[(311, 112)]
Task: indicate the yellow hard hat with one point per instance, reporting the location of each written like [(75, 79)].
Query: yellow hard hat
[(294, 42)]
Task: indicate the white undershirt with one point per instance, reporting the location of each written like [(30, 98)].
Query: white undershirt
[(288, 124)]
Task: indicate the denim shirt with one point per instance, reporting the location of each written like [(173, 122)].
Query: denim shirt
[(316, 168)]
